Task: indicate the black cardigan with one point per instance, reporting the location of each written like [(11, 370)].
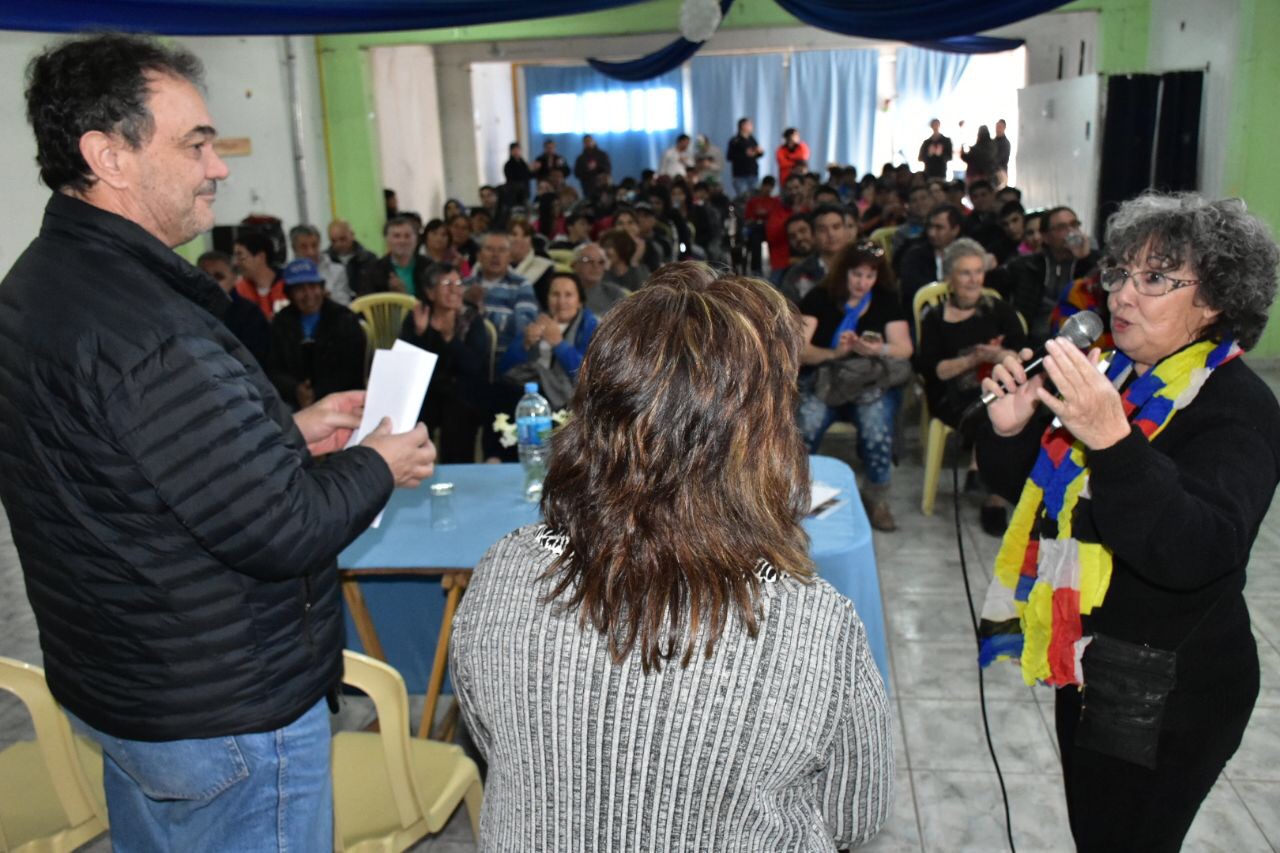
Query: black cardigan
[(1180, 515), (336, 362)]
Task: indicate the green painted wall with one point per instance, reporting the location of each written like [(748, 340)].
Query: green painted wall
[(1251, 166), (1123, 33)]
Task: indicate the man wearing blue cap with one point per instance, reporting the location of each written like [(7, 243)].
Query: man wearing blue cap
[(317, 346)]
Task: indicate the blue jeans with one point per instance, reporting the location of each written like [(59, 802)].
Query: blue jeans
[(260, 792), (874, 420), (744, 185)]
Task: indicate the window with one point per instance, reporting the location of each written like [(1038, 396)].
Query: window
[(616, 111)]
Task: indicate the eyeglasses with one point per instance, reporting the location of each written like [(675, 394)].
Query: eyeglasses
[(1146, 282), (1066, 226), (449, 282), (593, 261)]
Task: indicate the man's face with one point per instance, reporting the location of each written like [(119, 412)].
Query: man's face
[(342, 239), (401, 241), (307, 246), (791, 188), (747, 128), (800, 237), (220, 271), (941, 232), (1013, 226), (1061, 225), (983, 198), (579, 230), (1000, 126), (247, 263), (171, 180), (516, 152), (934, 125), (918, 203), (682, 144), (548, 147), (590, 265), (495, 257), (307, 298), (646, 220), (588, 143), (489, 198), (829, 233)]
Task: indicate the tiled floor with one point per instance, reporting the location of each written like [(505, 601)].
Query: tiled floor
[(948, 798)]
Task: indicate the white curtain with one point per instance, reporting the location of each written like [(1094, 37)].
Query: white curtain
[(409, 145)]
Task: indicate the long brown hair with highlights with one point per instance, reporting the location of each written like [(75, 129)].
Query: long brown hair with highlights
[(682, 465), (852, 256)]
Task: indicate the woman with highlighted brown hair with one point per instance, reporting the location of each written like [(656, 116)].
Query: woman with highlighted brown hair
[(656, 667)]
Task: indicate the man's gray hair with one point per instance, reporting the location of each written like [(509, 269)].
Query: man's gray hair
[(962, 247), (581, 249), (493, 232), (1231, 251), (303, 231)]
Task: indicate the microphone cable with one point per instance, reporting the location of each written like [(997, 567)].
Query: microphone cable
[(973, 621)]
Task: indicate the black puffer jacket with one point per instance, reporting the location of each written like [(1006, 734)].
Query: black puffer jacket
[(178, 542)]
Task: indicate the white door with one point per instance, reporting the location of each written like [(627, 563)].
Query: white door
[(1058, 145)]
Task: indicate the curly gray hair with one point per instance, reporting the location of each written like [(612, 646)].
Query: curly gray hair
[(1231, 250), (962, 247)]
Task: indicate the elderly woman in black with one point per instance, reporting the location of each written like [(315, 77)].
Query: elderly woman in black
[(1121, 576)]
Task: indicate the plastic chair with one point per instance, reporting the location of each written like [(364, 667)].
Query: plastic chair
[(883, 237), (563, 259), (391, 790), (384, 315), (51, 796), (933, 432)]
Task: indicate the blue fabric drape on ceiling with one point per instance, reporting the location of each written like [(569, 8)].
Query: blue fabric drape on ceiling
[(658, 62), (971, 44), (724, 89), (280, 17), (914, 20), (629, 151), (895, 20), (831, 100)]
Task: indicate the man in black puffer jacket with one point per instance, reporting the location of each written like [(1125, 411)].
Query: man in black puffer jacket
[(177, 538)]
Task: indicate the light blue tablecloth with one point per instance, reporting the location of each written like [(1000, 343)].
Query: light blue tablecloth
[(454, 531)]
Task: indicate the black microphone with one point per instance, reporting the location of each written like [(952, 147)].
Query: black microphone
[(1080, 329)]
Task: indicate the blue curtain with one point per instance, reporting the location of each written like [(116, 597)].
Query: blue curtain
[(724, 89), (629, 150), (971, 44), (927, 75), (831, 100)]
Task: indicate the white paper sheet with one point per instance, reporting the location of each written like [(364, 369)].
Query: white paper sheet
[(397, 387), (820, 493)]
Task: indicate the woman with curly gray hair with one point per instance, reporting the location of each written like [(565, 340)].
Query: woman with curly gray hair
[(1123, 570)]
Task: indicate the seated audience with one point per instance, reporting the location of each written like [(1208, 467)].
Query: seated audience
[(437, 247), (242, 317), (919, 203), (527, 263), (589, 262), (401, 269), (491, 203), (620, 249), (505, 298), (1039, 283), (983, 222), (345, 249), (460, 237), (259, 282), (305, 242), (958, 342), (855, 312), (1013, 221), (830, 235), (552, 347), (799, 243), (683, 641), (457, 398), (317, 345), (775, 227), (452, 208), (658, 247), (577, 230), (921, 263)]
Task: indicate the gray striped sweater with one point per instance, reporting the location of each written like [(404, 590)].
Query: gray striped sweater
[(780, 743)]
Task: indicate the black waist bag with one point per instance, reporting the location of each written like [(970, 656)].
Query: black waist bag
[(1126, 688)]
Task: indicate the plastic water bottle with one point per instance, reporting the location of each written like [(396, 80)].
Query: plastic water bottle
[(533, 429)]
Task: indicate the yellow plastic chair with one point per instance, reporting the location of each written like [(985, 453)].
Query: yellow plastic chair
[(933, 432), (383, 315), (51, 797), (391, 790), (883, 237), (563, 259)]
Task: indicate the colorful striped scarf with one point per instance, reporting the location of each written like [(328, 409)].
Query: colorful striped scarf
[(1044, 583)]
